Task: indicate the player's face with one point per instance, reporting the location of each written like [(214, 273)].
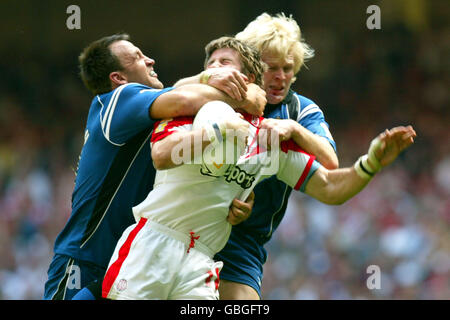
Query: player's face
[(137, 67), (278, 77), (224, 57)]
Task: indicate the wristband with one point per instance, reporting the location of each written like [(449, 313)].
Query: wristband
[(204, 77), (361, 169)]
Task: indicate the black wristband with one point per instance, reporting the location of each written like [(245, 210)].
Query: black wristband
[(364, 169)]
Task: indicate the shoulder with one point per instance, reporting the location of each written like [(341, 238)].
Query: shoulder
[(163, 128), (303, 101), (140, 89)]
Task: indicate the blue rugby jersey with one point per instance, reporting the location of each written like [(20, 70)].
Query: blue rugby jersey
[(245, 251), (115, 172)]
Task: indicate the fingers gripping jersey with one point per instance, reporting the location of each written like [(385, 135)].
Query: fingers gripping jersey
[(187, 200)]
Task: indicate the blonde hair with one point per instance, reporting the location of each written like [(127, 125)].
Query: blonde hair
[(278, 35)]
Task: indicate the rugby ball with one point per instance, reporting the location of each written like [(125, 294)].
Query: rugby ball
[(217, 157)]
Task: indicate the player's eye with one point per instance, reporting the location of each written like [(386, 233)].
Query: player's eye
[(139, 55)]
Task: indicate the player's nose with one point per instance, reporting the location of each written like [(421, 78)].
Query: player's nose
[(149, 61), (279, 74)]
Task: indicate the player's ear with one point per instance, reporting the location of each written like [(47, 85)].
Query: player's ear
[(117, 78), (251, 78)]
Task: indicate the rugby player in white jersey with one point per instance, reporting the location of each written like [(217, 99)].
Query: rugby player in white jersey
[(168, 253)]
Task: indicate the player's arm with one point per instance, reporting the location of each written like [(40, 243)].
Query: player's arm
[(315, 144), (180, 147), (310, 142), (187, 100), (228, 80), (337, 186), (166, 153), (166, 141)]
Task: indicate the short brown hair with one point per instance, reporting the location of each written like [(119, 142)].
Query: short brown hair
[(251, 62), (97, 62)]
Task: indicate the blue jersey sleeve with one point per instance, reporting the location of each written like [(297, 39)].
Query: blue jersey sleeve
[(311, 117), (127, 112)]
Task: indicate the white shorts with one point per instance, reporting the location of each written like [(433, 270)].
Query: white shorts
[(151, 261)]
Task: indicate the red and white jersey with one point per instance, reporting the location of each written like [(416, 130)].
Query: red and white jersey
[(186, 199)]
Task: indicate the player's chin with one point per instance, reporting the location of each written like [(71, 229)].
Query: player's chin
[(155, 83), (274, 99)]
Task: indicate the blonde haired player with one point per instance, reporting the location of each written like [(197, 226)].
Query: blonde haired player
[(168, 253), (278, 36), (282, 46)]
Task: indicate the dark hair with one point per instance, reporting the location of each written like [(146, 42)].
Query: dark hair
[(251, 62), (97, 62)]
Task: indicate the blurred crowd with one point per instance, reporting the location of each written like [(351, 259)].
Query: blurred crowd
[(364, 84)]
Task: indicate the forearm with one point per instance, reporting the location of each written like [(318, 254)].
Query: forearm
[(187, 100), (339, 185), (189, 80), (316, 145), (178, 148), (335, 187)]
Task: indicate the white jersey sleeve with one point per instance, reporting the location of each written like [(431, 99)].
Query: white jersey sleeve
[(296, 166)]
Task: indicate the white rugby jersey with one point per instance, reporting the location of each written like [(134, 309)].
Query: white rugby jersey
[(188, 200)]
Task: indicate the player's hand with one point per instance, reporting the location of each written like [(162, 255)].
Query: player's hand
[(236, 129), (240, 210), (236, 123), (389, 144), (282, 128), (255, 101), (228, 80)]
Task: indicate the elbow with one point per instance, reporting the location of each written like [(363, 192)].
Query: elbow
[(333, 197), (333, 201), (332, 163), (337, 201), (159, 165), (160, 161)]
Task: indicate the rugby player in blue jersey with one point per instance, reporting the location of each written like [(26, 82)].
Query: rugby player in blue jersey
[(278, 39), (115, 170)]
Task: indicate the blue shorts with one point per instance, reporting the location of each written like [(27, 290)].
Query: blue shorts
[(67, 276), (243, 258)]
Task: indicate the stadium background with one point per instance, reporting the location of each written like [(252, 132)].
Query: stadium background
[(364, 80)]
